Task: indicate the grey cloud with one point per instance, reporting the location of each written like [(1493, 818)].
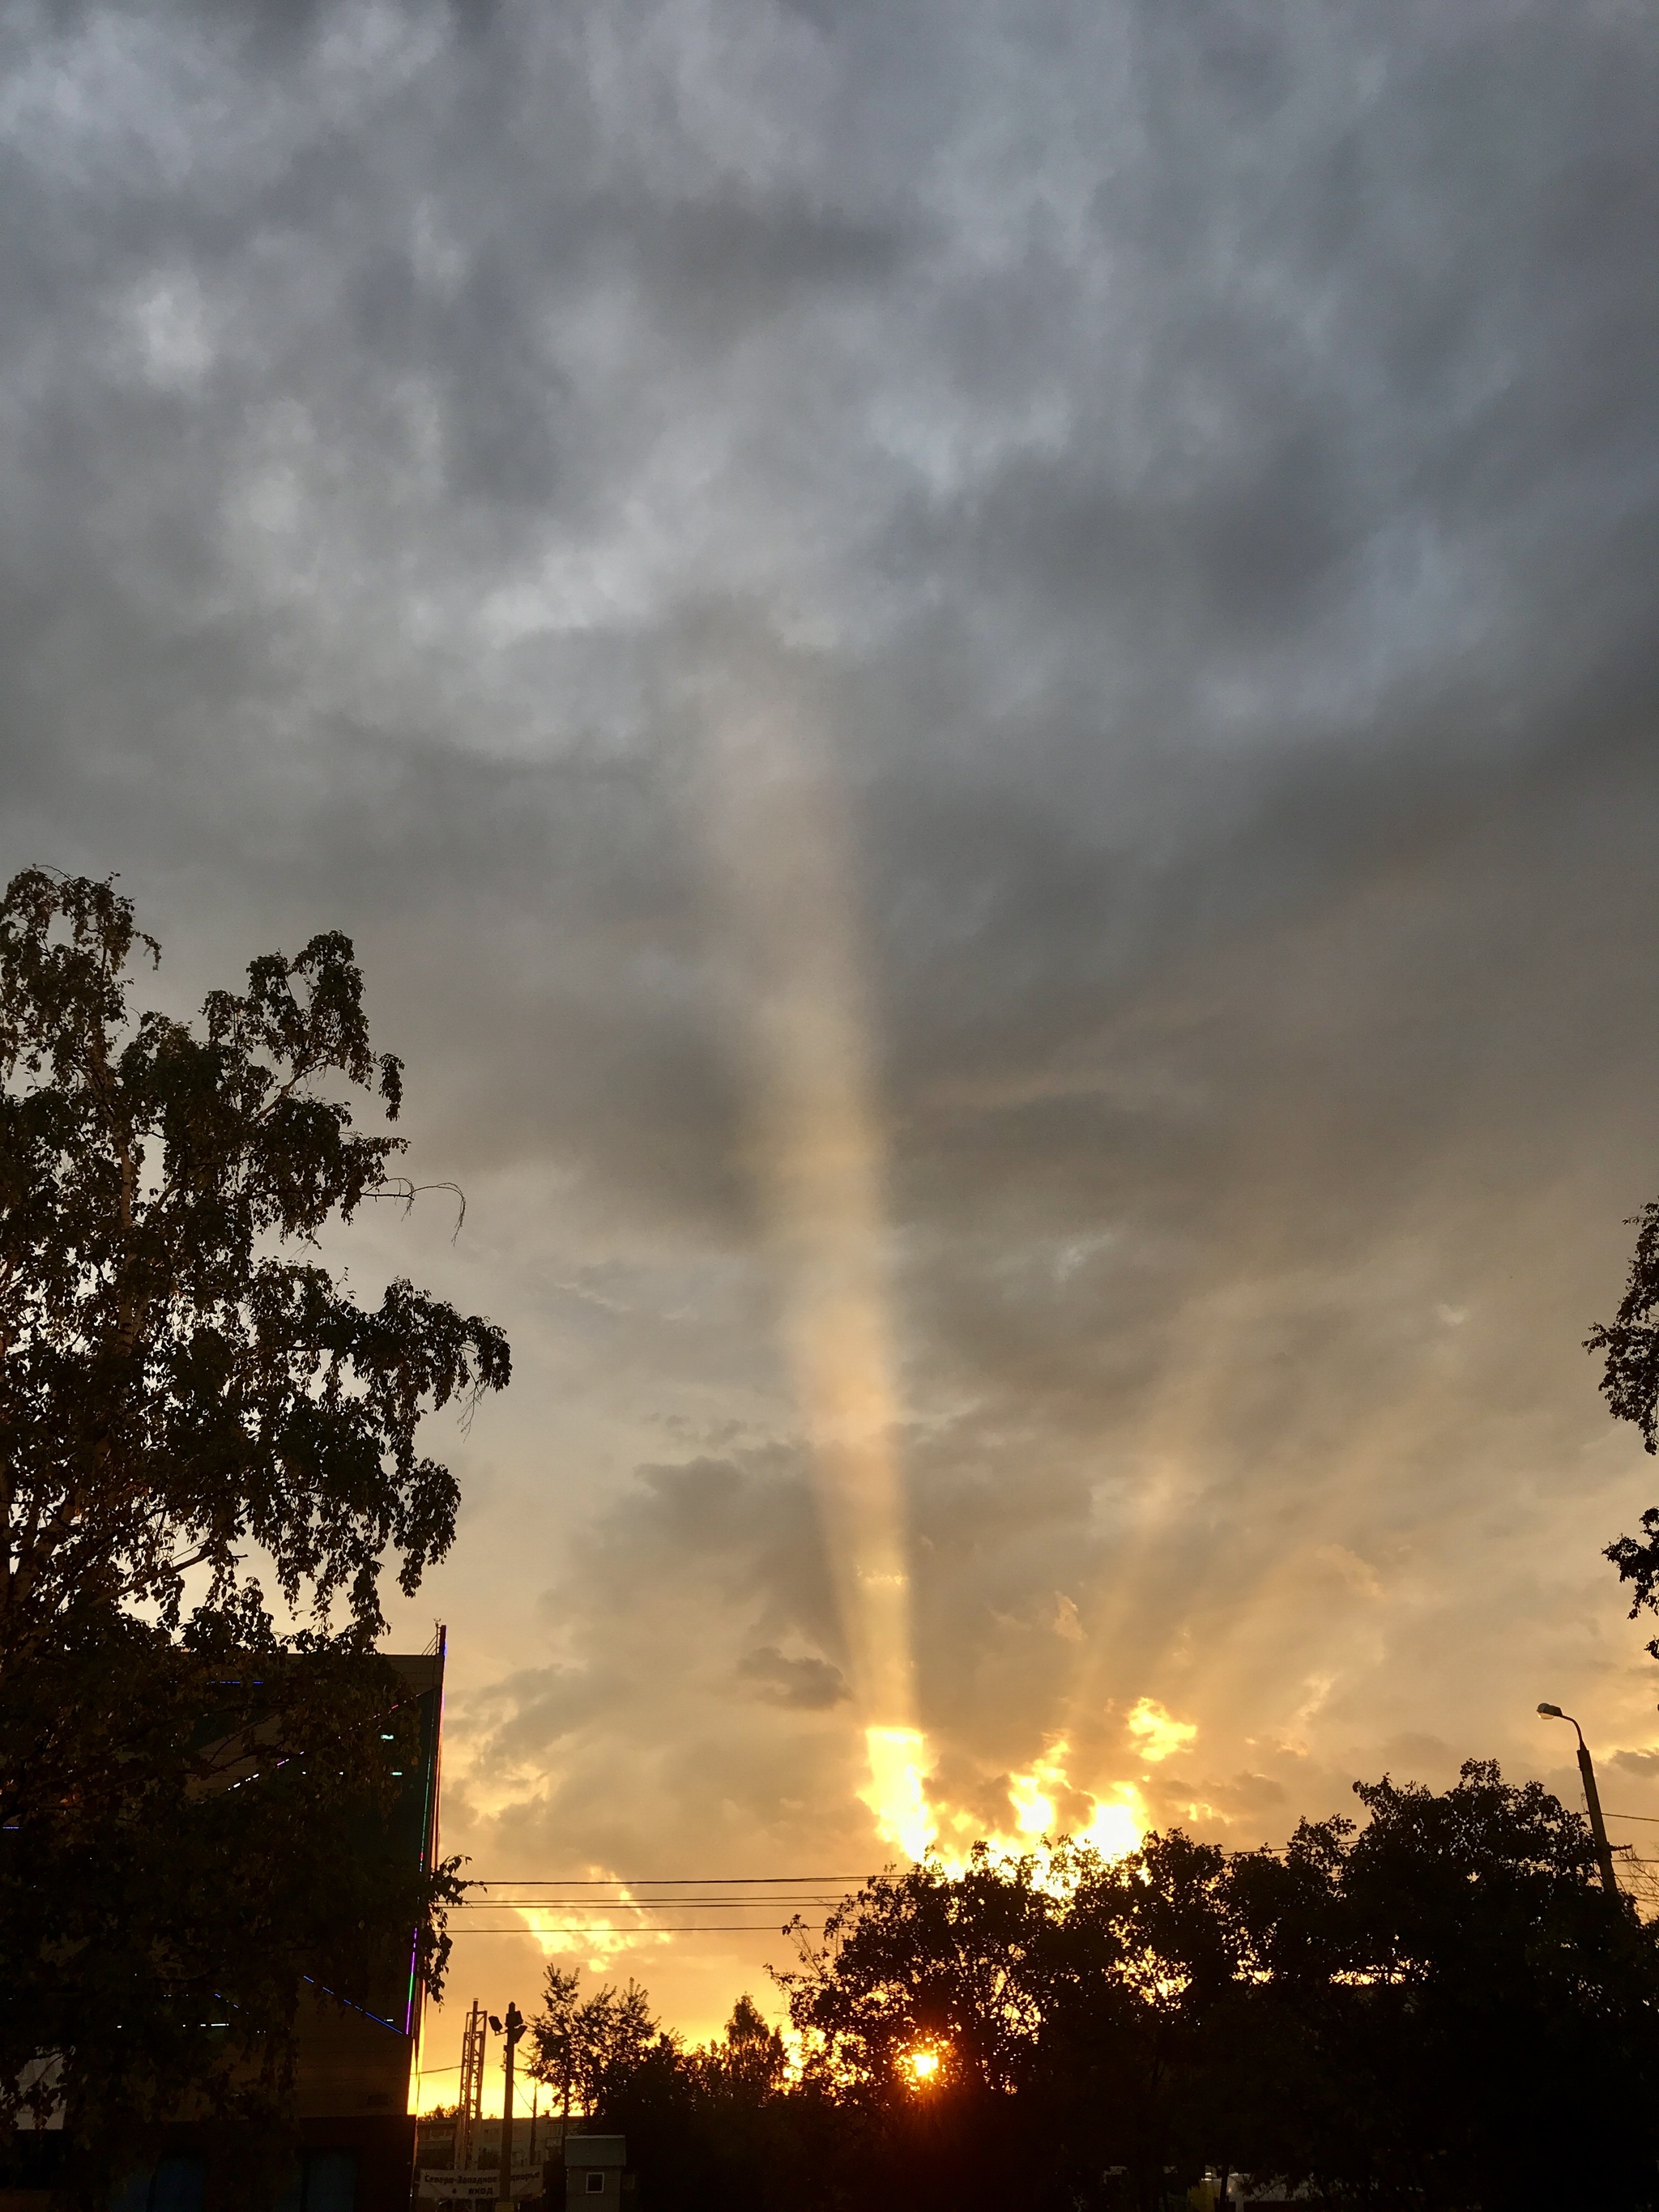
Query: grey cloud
[(808, 1682), (1200, 462), (676, 1723)]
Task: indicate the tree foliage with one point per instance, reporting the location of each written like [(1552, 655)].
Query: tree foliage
[(580, 2047), (720, 2128), (172, 1384), (194, 1809), (1629, 1345), (1440, 2007)]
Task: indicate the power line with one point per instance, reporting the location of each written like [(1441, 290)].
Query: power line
[(600, 1927), (630, 1904), (658, 1880)]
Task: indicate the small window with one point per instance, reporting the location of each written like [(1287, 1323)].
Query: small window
[(330, 2180), (326, 2182), (179, 2186), (596, 2181)]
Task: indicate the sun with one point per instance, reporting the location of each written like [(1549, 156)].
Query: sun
[(923, 2067)]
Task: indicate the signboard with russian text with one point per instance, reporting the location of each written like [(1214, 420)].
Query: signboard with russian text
[(441, 2185)]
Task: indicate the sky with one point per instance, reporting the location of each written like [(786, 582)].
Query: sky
[(979, 681)]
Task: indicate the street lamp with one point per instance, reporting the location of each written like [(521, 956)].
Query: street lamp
[(511, 2030), (1592, 1798)]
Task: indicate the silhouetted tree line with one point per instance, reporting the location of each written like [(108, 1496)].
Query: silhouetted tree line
[(1442, 2008)]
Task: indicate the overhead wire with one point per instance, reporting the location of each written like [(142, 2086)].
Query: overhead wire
[(587, 1928), (632, 1904), (660, 1880), (800, 1892)]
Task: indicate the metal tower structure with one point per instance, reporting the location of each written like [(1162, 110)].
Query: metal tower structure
[(469, 2108)]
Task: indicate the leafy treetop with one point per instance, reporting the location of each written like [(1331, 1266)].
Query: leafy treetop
[(174, 1385), (1629, 1384)]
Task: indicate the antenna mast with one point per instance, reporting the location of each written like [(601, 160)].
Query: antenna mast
[(470, 2112)]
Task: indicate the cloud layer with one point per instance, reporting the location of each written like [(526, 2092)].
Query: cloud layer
[(1199, 464)]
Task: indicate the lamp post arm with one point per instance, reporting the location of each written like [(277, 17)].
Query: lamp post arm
[(1598, 1826), (1592, 1799)]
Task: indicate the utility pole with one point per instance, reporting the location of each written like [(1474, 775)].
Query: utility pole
[(1592, 1799), (510, 2027)]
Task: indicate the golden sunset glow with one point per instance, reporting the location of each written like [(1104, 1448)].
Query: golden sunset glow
[(594, 1936), (1157, 1735), (897, 1792), (921, 1821), (1029, 1793), (1114, 1826), (923, 2066)]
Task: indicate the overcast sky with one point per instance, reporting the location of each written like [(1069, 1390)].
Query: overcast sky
[(1181, 478)]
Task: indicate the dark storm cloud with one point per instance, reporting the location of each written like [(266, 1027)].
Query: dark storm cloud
[(1201, 462)]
